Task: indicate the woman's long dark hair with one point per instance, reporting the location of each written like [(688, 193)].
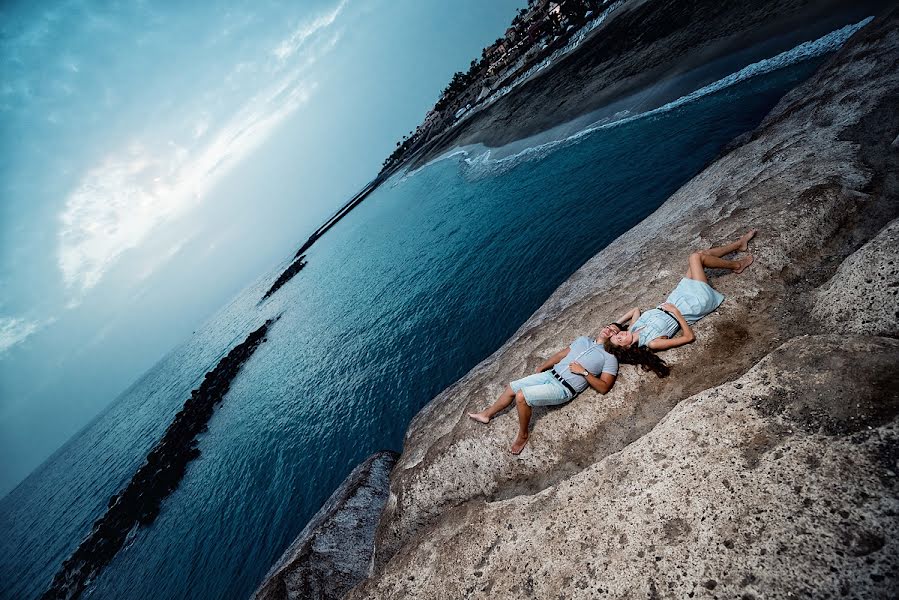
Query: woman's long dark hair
[(637, 355)]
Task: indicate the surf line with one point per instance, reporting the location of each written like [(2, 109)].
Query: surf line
[(138, 504), (479, 157)]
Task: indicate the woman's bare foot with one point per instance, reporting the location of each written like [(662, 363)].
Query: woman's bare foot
[(480, 417), (744, 262), (744, 240), (518, 445)]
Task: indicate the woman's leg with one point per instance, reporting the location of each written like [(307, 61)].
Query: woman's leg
[(740, 245), (524, 421), (505, 399), (699, 261), (711, 258)]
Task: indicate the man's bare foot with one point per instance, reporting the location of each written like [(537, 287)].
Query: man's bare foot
[(744, 240), (518, 445), (744, 262), (480, 417)]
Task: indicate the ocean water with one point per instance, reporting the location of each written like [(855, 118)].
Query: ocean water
[(429, 275)]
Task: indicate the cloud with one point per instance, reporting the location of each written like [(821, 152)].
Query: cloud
[(15, 330), (155, 262), (129, 193), (114, 208), (201, 127), (289, 46)]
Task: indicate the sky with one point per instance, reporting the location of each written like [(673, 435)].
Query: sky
[(156, 158)]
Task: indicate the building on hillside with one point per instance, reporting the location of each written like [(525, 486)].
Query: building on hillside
[(429, 120), (497, 67), (537, 30), (555, 11)]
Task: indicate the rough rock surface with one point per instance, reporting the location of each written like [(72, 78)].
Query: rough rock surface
[(741, 491), (863, 297), (627, 492), (333, 552)]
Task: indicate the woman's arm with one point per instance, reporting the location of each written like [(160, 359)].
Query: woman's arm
[(686, 337), (630, 316), (552, 360)]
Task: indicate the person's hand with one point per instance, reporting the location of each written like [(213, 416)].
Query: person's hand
[(576, 368), (670, 308)]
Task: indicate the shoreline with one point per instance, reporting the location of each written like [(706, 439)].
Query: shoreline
[(582, 83), (615, 115)]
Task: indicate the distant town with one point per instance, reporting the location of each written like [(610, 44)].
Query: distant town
[(536, 33)]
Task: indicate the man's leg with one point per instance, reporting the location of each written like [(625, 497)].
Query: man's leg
[(524, 421), (505, 399)]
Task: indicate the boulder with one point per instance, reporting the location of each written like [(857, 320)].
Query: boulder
[(863, 296)]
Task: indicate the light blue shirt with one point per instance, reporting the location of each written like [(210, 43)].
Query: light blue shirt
[(655, 323), (591, 356)]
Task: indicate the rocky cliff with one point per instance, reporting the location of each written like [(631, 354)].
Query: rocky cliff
[(333, 552), (766, 464)]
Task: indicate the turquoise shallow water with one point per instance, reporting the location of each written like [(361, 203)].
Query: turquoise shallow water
[(417, 285)]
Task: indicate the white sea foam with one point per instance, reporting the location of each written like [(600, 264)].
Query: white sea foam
[(477, 158)]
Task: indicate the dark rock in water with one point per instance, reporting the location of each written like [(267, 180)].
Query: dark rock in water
[(295, 267), (139, 503), (341, 213), (332, 554)]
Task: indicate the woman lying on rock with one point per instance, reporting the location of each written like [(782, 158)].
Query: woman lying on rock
[(692, 299), (560, 378)]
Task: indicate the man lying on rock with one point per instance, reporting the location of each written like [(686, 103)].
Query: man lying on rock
[(557, 380)]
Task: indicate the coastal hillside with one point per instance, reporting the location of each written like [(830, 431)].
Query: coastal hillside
[(766, 464), (640, 55)]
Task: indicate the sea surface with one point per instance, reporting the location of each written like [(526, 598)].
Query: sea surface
[(427, 277)]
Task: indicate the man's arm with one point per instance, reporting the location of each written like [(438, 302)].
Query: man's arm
[(547, 364), (602, 383)]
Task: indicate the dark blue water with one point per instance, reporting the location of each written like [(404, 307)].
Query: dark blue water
[(417, 285)]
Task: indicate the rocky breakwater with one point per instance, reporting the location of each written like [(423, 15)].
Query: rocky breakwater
[(766, 464), (295, 267), (138, 504), (333, 552)]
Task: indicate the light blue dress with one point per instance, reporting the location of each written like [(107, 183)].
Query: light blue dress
[(694, 299)]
